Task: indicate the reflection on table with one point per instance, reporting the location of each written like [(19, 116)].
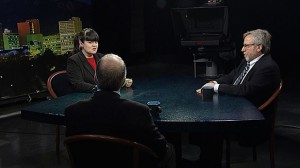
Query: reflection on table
[(182, 109)]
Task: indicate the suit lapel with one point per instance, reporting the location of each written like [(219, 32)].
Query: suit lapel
[(240, 69), (257, 64), (86, 64)]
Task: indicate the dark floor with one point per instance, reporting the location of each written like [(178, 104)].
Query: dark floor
[(27, 144)]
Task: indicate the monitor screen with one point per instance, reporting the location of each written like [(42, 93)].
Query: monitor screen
[(200, 20)]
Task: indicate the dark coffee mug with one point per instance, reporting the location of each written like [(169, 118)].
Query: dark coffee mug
[(154, 108), (207, 92)]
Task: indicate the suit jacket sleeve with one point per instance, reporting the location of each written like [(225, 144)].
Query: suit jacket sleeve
[(258, 85), (157, 141)]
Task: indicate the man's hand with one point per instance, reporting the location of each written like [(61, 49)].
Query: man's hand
[(211, 84)]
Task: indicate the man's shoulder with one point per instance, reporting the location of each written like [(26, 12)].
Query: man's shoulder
[(78, 106), (133, 103), (267, 62)]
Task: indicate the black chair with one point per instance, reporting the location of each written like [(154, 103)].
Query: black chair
[(108, 151), (58, 85), (271, 100)]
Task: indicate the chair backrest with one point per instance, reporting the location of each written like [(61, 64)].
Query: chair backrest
[(58, 84), (107, 151), (272, 98), (269, 107)]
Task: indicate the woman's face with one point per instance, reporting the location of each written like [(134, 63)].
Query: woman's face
[(89, 47)]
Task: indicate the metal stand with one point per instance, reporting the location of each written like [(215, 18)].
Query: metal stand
[(211, 69)]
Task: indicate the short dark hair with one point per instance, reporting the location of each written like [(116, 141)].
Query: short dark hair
[(86, 34)]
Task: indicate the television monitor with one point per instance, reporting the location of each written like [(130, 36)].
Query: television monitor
[(195, 22)]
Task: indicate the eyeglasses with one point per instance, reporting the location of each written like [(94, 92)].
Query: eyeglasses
[(248, 45)]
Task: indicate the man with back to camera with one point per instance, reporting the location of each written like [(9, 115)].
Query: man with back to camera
[(107, 113), (256, 78)]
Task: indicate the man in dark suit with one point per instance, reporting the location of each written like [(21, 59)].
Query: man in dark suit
[(263, 76), (106, 113), (257, 81)]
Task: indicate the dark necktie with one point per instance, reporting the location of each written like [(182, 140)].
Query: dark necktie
[(242, 75)]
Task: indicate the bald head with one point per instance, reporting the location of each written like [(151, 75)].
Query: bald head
[(111, 72)]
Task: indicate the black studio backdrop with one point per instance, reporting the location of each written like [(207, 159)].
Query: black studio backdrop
[(142, 30)]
